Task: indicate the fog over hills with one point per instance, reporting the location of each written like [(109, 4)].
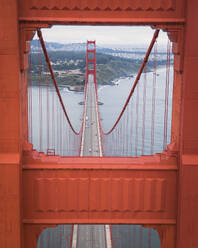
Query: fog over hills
[(79, 47)]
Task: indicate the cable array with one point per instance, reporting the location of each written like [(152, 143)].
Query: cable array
[(50, 128), (137, 129), (143, 125)]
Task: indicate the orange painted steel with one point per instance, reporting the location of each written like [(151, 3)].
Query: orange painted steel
[(20, 221), (100, 190), (102, 12)]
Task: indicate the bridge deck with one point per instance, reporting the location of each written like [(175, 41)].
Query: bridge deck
[(89, 236), (91, 145), (96, 189)]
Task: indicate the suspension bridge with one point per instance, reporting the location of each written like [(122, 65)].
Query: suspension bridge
[(134, 126), (46, 187), (92, 140), (91, 235)]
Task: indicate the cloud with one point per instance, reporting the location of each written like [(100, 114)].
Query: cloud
[(104, 35)]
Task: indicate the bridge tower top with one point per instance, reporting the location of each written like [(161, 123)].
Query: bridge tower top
[(91, 59)]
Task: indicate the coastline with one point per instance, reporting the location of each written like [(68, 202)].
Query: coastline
[(80, 88)]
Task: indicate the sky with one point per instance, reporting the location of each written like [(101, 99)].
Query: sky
[(104, 35)]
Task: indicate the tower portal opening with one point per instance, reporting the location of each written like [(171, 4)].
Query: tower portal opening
[(144, 127)]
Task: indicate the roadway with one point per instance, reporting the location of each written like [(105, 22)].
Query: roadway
[(91, 236), (91, 143)]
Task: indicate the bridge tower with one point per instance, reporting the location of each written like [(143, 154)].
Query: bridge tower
[(91, 59)]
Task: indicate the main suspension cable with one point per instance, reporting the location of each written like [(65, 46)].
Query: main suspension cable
[(39, 33), (155, 35)]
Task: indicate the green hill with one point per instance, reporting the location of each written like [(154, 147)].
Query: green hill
[(69, 67)]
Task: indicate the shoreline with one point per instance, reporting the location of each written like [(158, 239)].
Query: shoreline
[(80, 88)]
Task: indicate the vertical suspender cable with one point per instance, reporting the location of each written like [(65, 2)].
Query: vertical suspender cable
[(109, 145), (40, 100), (64, 136), (67, 139), (137, 121), (57, 125), (122, 135), (60, 131), (47, 112), (117, 140), (153, 99), (119, 143), (113, 144), (126, 132), (166, 95), (53, 119), (123, 140), (144, 110), (122, 124), (70, 148), (30, 98), (131, 128)]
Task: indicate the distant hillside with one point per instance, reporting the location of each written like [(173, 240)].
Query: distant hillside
[(74, 47), (123, 52), (69, 67), (53, 46)]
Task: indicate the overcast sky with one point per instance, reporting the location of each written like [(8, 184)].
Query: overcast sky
[(104, 35)]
